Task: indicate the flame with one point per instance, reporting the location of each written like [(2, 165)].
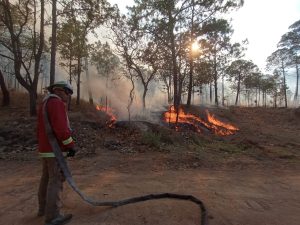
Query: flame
[(228, 128), (216, 126), (171, 116), (109, 112)]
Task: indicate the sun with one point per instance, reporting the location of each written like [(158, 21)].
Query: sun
[(195, 47)]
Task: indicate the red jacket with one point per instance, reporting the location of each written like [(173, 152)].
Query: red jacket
[(59, 121)]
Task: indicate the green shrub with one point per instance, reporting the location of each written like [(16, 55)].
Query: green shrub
[(151, 139)]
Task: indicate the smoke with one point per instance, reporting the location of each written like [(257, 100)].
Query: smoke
[(114, 93)]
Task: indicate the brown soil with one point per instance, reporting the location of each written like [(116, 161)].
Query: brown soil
[(250, 178)]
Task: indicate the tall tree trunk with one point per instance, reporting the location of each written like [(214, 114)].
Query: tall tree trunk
[(223, 91), (297, 83), (216, 79), (265, 99), (284, 86), (258, 97), (238, 90), (180, 86), (170, 94), (175, 78), (144, 97), (180, 83), (91, 101), (174, 60), (190, 87), (169, 87), (248, 98), (256, 93), (131, 97), (37, 59), (70, 81), (5, 92), (53, 43), (201, 94), (70, 70), (216, 91), (78, 80), (210, 92)]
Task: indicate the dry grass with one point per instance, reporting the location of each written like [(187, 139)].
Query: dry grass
[(21, 100)]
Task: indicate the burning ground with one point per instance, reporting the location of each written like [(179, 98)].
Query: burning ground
[(248, 177), (202, 137), (199, 123)]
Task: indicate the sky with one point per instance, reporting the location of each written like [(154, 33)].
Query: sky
[(262, 22)]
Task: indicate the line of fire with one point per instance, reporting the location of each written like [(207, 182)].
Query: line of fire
[(181, 121)]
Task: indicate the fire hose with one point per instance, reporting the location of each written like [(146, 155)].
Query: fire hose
[(64, 167)]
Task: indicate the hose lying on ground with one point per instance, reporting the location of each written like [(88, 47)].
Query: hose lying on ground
[(63, 165)]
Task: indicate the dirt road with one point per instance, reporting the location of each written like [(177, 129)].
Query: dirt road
[(246, 197)]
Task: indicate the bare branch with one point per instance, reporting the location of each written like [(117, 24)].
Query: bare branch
[(5, 56)]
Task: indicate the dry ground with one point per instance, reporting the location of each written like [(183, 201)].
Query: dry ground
[(250, 178)]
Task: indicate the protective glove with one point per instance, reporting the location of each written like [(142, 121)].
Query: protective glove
[(71, 152)]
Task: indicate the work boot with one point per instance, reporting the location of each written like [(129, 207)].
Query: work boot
[(60, 220)]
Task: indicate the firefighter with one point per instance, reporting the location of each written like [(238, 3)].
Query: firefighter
[(52, 178)]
